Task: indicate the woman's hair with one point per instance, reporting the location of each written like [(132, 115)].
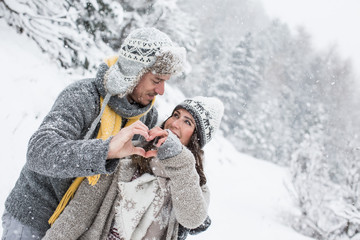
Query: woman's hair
[(143, 164), (194, 147)]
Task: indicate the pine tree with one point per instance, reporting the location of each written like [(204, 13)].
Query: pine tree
[(247, 80), (246, 72)]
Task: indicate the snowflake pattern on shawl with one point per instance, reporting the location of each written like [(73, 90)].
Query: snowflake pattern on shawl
[(143, 210)]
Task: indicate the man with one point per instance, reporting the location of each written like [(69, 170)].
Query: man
[(81, 134)]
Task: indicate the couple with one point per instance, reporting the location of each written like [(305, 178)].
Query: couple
[(97, 128)]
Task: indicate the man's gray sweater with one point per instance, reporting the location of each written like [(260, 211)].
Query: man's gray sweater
[(57, 152)]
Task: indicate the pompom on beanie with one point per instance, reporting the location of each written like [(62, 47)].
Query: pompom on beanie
[(207, 112)]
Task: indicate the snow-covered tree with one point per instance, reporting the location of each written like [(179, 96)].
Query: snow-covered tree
[(216, 79), (81, 33), (246, 72), (69, 31), (261, 68), (246, 85), (329, 201), (328, 198)]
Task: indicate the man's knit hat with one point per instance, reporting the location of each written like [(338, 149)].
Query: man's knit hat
[(145, 49), (207, 112)]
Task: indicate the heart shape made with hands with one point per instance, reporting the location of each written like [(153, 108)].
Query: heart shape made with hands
[(121, 144), (157, 137)]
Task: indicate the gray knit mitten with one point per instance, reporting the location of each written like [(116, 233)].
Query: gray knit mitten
[(170, 148)]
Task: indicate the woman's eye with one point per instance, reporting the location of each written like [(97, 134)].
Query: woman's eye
[(188, 122), (176, 115), (156, 82)]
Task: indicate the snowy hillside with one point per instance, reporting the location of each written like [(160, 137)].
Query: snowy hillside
[(249, 199)]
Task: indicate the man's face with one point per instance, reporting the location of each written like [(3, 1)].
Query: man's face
[(149, 86)]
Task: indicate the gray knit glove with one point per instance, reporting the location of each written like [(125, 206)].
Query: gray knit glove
[(170, 148)]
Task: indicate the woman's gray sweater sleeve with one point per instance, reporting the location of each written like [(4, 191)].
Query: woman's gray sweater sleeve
[(57, 148), (190, 201)]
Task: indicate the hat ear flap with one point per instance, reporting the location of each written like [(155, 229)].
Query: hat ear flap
[(115, 82)]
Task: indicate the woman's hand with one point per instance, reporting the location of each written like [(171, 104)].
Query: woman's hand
[(170, 147), (121, 144), (159, 133)]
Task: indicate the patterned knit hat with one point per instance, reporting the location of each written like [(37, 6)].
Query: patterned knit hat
[(207, 112), (145, 49)]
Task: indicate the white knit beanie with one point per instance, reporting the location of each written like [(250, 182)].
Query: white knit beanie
[(207, 112), (145, 49)]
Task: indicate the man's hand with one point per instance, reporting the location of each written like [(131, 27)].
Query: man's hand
[(121, 144)]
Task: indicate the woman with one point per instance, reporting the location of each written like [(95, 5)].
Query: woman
[(149, 198)]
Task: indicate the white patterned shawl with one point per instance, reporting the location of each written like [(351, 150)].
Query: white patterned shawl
[(143, 211)]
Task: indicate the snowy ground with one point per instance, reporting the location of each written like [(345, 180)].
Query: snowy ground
[(249, 199)]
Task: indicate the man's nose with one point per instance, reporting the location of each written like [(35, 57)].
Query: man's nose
[(160, 88)]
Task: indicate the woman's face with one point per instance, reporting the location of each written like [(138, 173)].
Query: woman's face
[(182, 124)]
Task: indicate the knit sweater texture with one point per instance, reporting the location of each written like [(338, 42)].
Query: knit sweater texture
[(57, 152)]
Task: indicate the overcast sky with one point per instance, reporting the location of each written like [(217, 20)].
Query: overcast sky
[(328, 21)]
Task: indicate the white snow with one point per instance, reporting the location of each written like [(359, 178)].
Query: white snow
[(248, 196)]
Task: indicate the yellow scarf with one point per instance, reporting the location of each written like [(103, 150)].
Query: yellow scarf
[(110, 126)]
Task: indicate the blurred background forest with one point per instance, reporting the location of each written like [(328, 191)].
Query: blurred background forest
[(285, 101)]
